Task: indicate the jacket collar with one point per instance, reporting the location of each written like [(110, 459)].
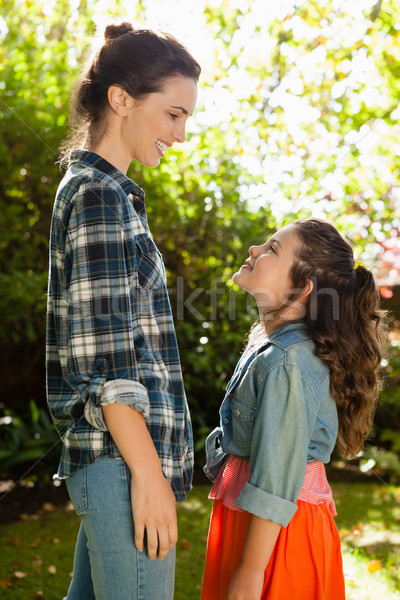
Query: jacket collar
[(289, 333)]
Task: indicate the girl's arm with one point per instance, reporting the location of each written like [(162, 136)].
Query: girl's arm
[(278, 459), (247, 582), (153, 502)]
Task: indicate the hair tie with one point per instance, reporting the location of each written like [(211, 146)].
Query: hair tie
[(358, 263)]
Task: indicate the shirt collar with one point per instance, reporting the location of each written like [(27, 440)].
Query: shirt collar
[(88, 158)]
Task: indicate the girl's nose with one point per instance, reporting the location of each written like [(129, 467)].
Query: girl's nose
[(253, 251)]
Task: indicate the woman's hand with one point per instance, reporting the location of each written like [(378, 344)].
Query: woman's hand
[(247, 584), (153, 502), (154, 512)]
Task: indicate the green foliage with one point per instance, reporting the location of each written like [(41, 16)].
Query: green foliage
[(25, 443), (33, 113), (384, 454)]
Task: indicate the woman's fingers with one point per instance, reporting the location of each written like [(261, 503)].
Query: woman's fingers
[(152, 542), (154, 513), (159, 541), (173, 534), (163, 543), (139, 536)]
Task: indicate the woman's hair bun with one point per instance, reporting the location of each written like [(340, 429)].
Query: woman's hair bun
[(114, 31)]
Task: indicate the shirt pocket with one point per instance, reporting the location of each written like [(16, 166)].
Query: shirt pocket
[(150, 266), (243, 416)]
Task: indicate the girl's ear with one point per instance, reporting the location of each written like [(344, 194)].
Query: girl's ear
[(308, 288)]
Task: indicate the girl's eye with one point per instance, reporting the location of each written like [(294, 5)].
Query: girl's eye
[(271, 248), (173, 116)]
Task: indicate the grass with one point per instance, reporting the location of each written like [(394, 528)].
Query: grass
[(37, 550), (369, 525)]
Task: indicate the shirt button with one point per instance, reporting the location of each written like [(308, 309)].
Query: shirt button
[(226, 420), (100, 369)]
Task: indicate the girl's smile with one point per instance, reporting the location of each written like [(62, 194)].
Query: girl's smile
[(247, 265)]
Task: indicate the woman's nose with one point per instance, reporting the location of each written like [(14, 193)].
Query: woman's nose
[(253, 251), (179, 132)]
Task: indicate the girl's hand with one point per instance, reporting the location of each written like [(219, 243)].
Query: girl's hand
[(154, 512), (248, 580), (247, 584)]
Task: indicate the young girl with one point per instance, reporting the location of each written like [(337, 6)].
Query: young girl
[(307, 380), (114, 381)]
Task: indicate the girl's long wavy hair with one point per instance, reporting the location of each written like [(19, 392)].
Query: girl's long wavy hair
[(345, 323)]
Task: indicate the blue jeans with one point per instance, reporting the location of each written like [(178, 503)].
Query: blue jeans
[(107, 565)]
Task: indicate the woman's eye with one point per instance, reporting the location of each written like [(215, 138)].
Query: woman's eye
[(173, 116), (271, 248)]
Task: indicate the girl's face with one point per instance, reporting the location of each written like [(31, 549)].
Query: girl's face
[(265, 275), (159, 120)]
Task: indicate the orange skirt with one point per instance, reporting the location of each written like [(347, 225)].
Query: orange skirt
[(306, 563)]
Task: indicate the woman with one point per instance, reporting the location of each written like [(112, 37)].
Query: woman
[(114, 380)]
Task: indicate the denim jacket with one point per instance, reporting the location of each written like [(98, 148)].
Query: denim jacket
[(278, 413)]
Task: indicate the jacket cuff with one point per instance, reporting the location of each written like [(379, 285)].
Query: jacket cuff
[(215, 455), (123, 391), (265, 505)]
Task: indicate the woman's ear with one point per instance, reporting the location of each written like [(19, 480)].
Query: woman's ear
[(120, 101)]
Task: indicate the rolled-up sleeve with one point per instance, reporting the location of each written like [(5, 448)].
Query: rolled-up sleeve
[(101, 364), (284, 420)]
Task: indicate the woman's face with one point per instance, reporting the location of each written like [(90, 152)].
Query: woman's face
[(159, 120), (266, 273)]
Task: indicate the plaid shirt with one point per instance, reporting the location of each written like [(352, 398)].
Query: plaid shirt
[(110, 332)]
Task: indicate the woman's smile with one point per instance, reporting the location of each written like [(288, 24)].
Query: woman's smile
[(162, 147)]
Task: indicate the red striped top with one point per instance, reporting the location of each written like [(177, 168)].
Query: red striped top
[(235, 473)]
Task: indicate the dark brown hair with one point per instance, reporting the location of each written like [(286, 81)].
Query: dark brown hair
[(345, 323), (140, 61)]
